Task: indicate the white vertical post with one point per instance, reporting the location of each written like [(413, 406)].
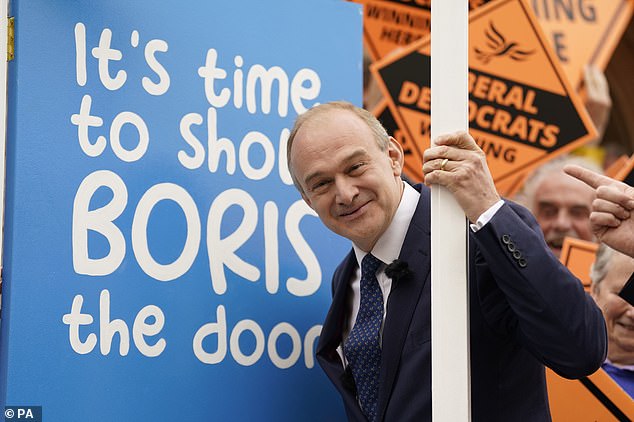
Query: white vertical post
[(450, 299)]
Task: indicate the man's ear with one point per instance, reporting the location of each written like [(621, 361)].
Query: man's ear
[(395, 152)]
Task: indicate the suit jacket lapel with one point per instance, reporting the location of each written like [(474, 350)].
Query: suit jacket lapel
[(404, 297), (331, 336), (331, 333)]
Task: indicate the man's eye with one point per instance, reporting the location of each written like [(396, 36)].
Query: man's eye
[(580, 212), (547, 211), (356, 167), (319, 186)]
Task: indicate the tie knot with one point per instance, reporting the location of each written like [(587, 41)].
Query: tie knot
[(369, 265)]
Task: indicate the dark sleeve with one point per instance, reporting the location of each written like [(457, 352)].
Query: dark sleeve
[(552, 316), (627, 292)]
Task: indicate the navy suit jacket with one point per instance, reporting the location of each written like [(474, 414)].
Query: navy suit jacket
[(526, 311)]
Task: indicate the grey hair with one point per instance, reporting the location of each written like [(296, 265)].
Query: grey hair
[(379, 132), (601, 265), (526, 195)]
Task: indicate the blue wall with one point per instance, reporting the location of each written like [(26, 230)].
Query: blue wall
[(159, 264)]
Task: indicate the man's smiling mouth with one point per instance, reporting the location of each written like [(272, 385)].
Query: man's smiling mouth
[(354, 211)]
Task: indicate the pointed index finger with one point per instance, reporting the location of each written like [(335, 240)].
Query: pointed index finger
[(588, 177)]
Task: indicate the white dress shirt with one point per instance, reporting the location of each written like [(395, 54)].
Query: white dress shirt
[(387, 249)]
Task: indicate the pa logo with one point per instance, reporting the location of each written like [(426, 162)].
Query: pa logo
[(23, 413)]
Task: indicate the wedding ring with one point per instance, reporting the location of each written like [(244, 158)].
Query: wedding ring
[(444, 162)]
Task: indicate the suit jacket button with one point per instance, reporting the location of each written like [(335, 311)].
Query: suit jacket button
[(517, 254), (506, 239), (511, 247), (522, 263)]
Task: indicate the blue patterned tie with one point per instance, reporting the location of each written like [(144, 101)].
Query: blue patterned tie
[(363, 348)]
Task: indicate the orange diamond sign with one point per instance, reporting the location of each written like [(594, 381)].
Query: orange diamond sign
[(391, 24), (583, 31), (522, 109)]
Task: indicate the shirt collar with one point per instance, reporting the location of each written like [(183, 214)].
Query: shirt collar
[(389, 245), (625, 367)]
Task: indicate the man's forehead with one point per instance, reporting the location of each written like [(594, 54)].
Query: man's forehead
[(330, 117), (557, 185), (332, 125)]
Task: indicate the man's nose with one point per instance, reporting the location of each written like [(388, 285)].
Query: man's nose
[(563, 222), (346, 190)]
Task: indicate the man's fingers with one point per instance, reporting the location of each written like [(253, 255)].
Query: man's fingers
[(588, 177), (442, 164), (615, 195), (603, 220), (610, 207), (458, 146), (460, 139), (441, 152)]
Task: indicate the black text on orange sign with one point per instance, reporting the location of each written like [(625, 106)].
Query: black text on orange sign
[(487, 93), (480, 86), (564, 11), (496, 150)]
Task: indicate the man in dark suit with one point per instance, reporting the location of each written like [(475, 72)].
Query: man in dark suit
[(526, 309)]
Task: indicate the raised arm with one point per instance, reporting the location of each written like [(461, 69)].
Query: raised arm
[(612, 217)]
